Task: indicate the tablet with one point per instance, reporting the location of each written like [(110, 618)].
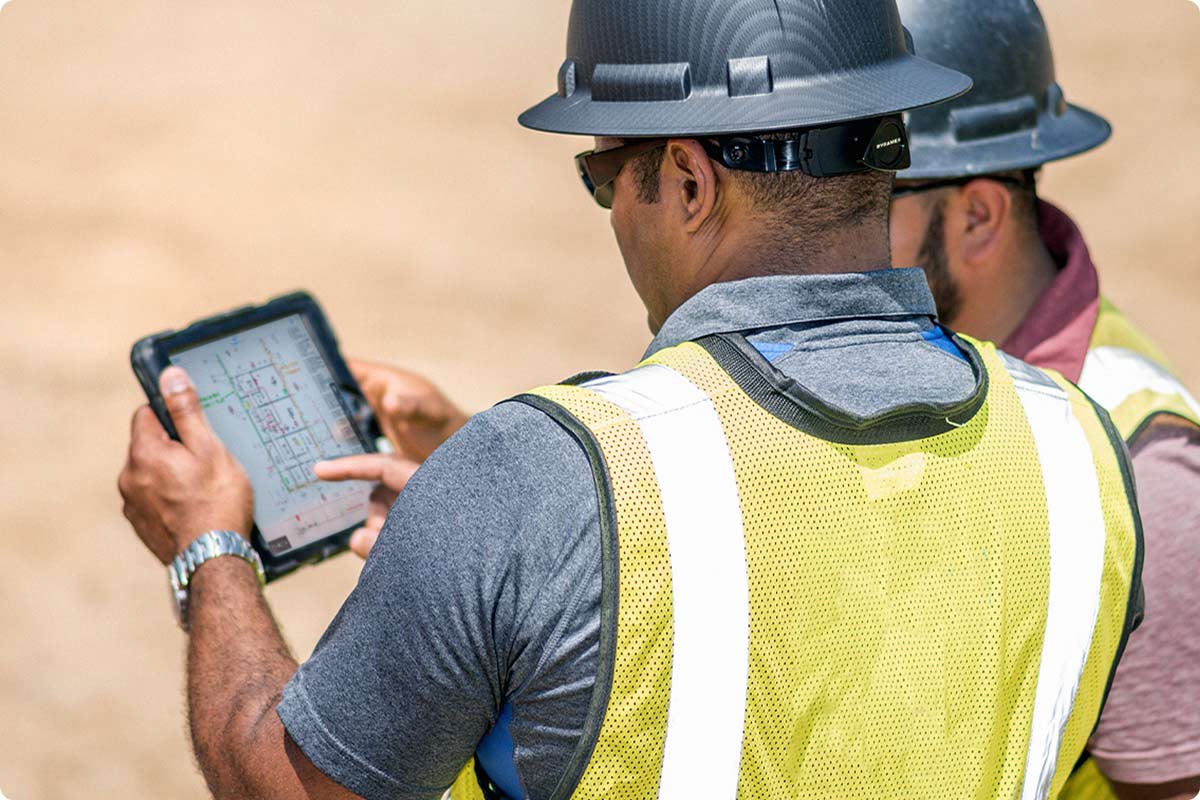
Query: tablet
[(279, 395)]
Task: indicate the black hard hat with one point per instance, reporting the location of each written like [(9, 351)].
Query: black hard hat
[(639, 68), (1016, 116)]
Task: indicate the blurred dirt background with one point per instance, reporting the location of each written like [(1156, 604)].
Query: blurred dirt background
[(161, 160)]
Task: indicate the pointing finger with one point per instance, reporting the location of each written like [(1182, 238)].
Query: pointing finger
[(369, 467), (391, 471)]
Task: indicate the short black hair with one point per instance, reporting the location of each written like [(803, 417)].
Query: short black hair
[(808, 205), (1022, 188)]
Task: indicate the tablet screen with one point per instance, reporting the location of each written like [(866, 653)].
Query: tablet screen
[(272, 400)]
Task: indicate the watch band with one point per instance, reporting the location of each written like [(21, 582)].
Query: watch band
[(206, 547)]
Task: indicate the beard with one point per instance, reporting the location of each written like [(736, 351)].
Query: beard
[(933, 260)]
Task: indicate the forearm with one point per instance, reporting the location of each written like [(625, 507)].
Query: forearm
[(238, 665)]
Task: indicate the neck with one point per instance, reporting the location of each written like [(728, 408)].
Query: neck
[(1016, 280), (750, 254)]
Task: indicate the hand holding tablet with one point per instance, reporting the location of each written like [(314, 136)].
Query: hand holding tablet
[(279, 396)]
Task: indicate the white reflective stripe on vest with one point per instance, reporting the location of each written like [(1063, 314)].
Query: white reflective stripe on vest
[(1111, 375), (709, 583), (1077, 542)]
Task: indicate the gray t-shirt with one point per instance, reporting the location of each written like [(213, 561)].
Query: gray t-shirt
[(481, 600)]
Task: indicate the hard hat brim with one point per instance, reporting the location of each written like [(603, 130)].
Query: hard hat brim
[(899, 85), (1056, 137)]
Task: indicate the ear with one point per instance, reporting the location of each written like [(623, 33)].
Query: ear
[(690, 182), (987, 207)]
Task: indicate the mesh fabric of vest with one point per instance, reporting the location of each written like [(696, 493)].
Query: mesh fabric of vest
[(466, 785), (1088, 783), (897, 597)]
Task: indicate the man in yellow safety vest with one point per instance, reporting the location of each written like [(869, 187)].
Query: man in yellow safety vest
[(1010, 268), (813, 545)]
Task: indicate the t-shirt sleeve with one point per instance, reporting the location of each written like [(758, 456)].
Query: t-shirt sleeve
[(412, 672), (1149, 731)]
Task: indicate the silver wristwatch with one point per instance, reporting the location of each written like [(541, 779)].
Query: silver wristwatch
[(207, 547)]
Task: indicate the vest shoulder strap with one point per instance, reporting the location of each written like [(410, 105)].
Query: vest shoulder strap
[(1127, 374), (1082, 460)]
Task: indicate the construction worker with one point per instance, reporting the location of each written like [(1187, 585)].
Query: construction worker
[(814, 545), (1010, 268)]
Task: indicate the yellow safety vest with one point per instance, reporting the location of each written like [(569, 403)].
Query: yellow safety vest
[(799, 604), (1129, 376)]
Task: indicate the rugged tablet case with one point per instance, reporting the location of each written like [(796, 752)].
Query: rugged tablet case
[(150, 356)]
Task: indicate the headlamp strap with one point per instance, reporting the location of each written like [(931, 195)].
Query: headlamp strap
[(874, 144)]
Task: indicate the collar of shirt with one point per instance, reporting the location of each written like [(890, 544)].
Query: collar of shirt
[(778, 300), (1057, 332)]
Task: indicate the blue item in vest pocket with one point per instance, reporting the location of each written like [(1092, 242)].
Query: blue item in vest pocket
[(772, 350), (937, 337), (497, 755)]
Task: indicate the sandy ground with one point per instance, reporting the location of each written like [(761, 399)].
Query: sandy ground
[(161, 159)]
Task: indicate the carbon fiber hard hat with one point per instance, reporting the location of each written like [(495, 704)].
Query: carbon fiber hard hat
[(640, 68), (1016, 117)]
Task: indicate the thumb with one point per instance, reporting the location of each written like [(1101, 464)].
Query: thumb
[(183, 403)]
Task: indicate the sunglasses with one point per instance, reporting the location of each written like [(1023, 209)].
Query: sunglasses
[(822, 152), (904, 190), (599, 168)]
